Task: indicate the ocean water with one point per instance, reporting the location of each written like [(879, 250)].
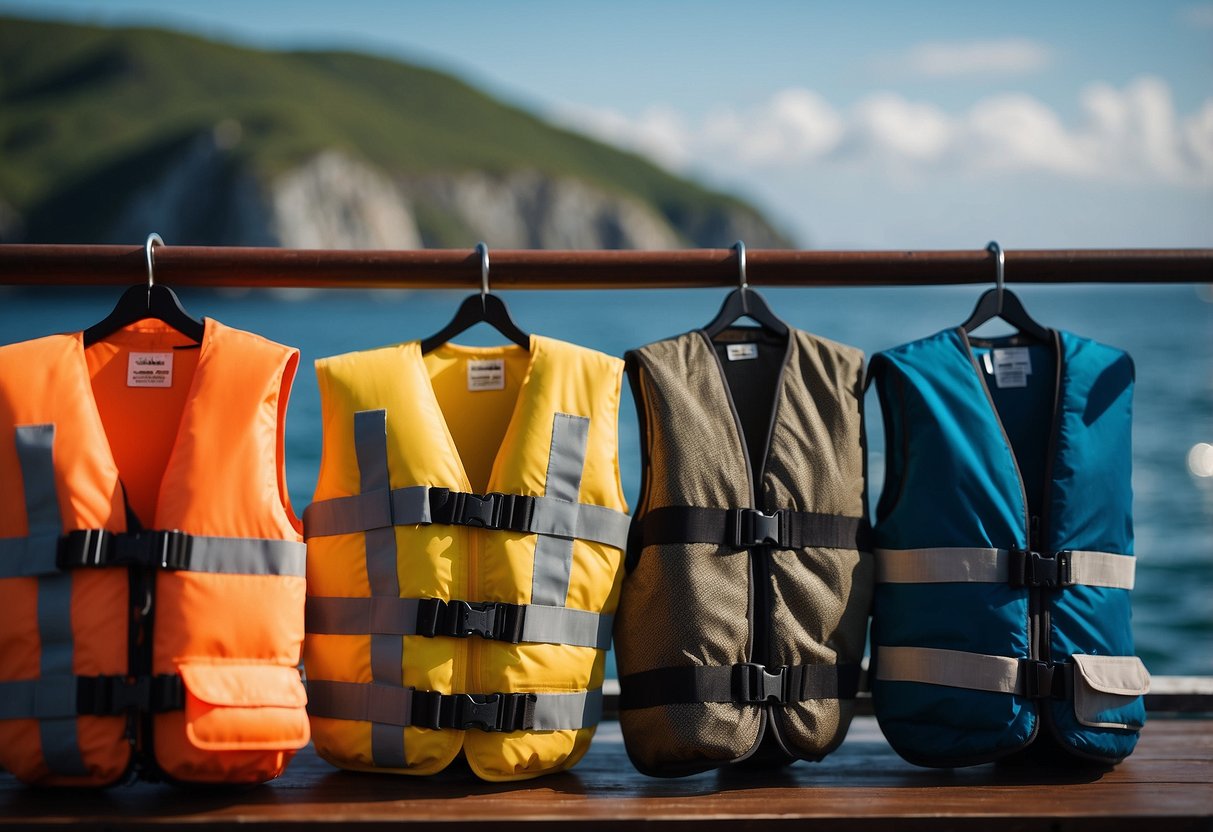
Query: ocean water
[(1168, 330)]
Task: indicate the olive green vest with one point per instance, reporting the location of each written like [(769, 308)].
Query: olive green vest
[(743, 614)]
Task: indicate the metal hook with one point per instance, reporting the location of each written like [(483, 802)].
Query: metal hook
[(153, 240), (999, 269), (484, 269), (739, 247)]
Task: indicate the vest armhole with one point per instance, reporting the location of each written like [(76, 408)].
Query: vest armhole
[(286, 382), (634, 368)]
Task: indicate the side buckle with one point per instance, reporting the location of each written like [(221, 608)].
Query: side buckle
[(460, 619), (153, 549), (1049, 570), (752, 527), (496, 511), (1043, 680), (498, 712), (85, 548), (755, 684)]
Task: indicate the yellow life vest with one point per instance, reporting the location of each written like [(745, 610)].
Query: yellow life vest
[(464, 554)]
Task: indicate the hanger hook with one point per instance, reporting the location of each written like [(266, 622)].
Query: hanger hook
[(153, 240), (999, 269), (742, 283), (484, 269)]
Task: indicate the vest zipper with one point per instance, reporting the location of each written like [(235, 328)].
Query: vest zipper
[(1044, 649)]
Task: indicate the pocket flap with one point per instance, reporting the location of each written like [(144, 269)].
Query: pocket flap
[(244, 707), (1124, 675), (1108, 690)]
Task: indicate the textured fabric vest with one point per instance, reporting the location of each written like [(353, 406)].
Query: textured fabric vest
[(1005, 545), (745, 604), (151, 571), (464, 556)]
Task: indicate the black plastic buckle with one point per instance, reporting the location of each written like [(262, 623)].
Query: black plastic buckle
[(84, 548), (755, 684), (1043, 680), (496, 511), (110, 695), (751, 527), (460, 619), (153, 549), (501, 712), (1042, 569)]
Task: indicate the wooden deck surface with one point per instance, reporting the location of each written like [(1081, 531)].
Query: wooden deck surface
[(1167, 784)]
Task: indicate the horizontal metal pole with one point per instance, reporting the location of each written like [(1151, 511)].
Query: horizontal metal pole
[(72, 265)]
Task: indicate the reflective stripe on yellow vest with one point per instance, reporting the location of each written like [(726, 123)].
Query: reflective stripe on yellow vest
[(181, 639), (464, 552)]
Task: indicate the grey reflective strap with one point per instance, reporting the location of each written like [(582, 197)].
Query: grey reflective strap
[(28, 557), (950, 668), (392, 706), (50, 697), (388, 705), (1102, 569), (357, 513), (562, 625), (398, 617), (35, 452), (247, 556), (963, 565), (554, 555), (560, 518), (387, 652), (568, 711)]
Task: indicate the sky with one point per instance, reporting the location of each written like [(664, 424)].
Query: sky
[(851, 125)]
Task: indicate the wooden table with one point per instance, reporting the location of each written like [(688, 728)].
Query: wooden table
[(1167, 784)]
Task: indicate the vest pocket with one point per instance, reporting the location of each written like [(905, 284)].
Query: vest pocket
[(244, 707), (1108, 691)]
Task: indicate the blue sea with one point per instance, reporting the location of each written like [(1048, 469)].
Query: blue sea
[(1168, 330)]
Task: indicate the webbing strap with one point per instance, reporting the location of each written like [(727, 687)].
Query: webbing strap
[(150, 549), (35, 454), (420, 505), (747, 527), (430, 617), (554, 555), (65, 697), (387, 652), (404, 707), (1016, 566), (743, 684), (973, 671)]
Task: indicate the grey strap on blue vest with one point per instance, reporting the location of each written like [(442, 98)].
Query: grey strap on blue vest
[(554, 555), (974, 671), (387, 651), (35, 452), (404, 707), (402, 617), (1020, 568)]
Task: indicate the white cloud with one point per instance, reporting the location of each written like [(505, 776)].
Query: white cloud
[(1200, 15), (1131, 134), (1002, 56)]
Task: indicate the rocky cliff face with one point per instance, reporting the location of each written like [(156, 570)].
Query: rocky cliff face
[(200, 192)]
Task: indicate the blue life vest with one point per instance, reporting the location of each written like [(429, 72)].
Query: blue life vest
[(1004, 540)]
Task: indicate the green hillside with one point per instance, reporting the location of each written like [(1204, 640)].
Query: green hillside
[(84, 110)]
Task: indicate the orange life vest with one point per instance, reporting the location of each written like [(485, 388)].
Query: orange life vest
[(151, 568)]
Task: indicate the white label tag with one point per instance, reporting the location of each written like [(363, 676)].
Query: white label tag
[(1012, 366), (486, 374), (742, 352), (149, 369)]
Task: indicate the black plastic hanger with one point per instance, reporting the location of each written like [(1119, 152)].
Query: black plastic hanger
[(153, 300), (482, 308), (744, 302), (1001, 302)]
